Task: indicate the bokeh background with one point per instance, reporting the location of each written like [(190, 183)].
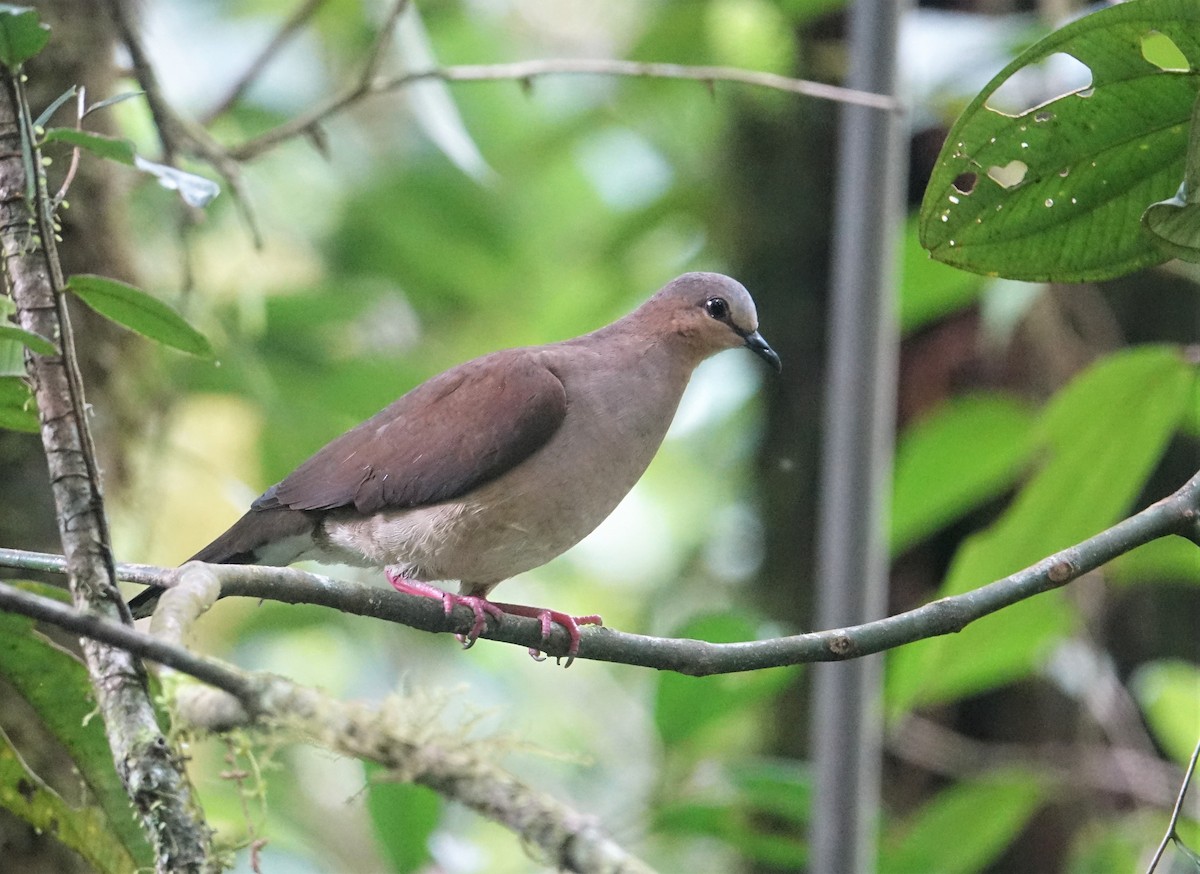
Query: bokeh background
[(443, 221)]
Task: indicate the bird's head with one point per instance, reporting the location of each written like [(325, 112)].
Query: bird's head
[(713, 312)]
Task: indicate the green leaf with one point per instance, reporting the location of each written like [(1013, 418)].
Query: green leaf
[(929, 289), (56, 686), (49, 111), (18, 410), (84, 830), (970, 451), (112, 148), (112, 101), (687, 707), (36, 342), (965, 828), (1102, 436), (1166, 560), (760, 805), (404, 817), (22, 34), (1174, 224), (138, 311), (1056, 192), (1169, 695)]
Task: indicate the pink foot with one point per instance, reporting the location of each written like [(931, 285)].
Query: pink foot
[(546, 617), (479, 606)]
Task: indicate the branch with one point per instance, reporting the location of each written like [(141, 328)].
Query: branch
[(525, 72), (150, 769), (177, 134), (1173, 515), (291, 26), (416, 748), (1173, 826)]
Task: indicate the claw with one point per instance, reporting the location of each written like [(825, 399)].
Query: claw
[(546, 618), (482, 608)]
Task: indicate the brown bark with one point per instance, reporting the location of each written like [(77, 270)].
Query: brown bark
[(149, 768)]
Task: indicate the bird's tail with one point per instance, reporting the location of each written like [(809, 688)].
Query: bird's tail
[(273, 537)]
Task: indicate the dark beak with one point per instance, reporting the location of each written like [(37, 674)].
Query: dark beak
[(756, 344)]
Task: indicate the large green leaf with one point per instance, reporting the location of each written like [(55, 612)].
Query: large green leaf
[(965, 827), (84, 830), (758, 807), (22, 34), (967, 453), (689, 707), (56, 686), (139, 312), (1169, 695), (404, 817), (1102, 436), (928, 288), (1057, 192)]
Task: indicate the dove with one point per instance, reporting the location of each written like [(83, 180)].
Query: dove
[(499, 464)]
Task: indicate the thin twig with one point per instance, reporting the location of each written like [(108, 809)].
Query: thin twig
[(290, 27), (177, 135), (383, 41), (525, 72), (1173, 825), (694, 657)]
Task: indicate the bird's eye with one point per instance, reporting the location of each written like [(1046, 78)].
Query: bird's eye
[(717, 308)]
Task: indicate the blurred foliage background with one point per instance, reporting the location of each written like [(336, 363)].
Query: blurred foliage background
[(441, 222)]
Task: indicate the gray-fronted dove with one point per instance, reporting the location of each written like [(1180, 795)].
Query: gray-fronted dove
[(500, 464)]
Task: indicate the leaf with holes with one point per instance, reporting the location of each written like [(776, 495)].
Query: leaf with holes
[(1056, 191), (139, 312)]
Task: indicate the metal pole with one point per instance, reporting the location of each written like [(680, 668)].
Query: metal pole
[(852, 562)]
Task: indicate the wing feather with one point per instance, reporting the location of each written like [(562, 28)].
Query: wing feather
[(457, 431)]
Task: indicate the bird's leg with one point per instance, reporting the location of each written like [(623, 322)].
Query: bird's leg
[(479, 606), (545, 617)]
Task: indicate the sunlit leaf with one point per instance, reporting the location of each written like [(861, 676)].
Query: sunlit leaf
[(140, 312), (431, 101), (404, 817), (930, 289), (971, 451), (36, 342), (1169, 695), (1166, 560), (18, 412), (964, 828), (1101, 437), (112, 148), (56, 686), (1056, 192), (22, 34), (686, 707)]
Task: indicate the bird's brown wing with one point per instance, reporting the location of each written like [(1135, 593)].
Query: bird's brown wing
[(457, 431)]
